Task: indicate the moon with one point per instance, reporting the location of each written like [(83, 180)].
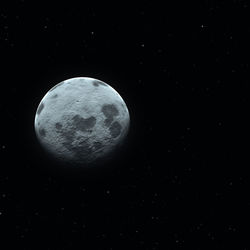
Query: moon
[(81, 120)]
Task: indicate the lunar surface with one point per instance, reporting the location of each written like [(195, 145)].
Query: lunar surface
[(81, 120)]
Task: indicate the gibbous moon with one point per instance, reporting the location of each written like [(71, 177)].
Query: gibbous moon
[(81, 120)]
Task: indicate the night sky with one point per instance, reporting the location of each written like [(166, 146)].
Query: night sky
[(182, 179)]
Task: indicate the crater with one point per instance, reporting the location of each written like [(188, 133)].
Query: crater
[(82, 150), (97, 145), (40, 108), (58, 125), (68, 135), (42, 132), (96, 83), (109, 110), (83, 124), (79, 146), (57, 85), (54, 96), (115, 129)]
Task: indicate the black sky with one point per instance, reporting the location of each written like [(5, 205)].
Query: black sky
[(182, 180)]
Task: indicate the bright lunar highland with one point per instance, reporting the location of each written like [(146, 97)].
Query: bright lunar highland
[(81, 120)]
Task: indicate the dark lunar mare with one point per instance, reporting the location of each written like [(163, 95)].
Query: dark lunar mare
[(40, 108), (110, 111), (42, 132), (83, 124), (96, 83), (115, 129)]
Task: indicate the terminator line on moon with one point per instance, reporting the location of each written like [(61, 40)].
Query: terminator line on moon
[(81, 120)]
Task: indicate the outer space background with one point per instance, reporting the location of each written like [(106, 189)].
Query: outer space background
[(182, 181)]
